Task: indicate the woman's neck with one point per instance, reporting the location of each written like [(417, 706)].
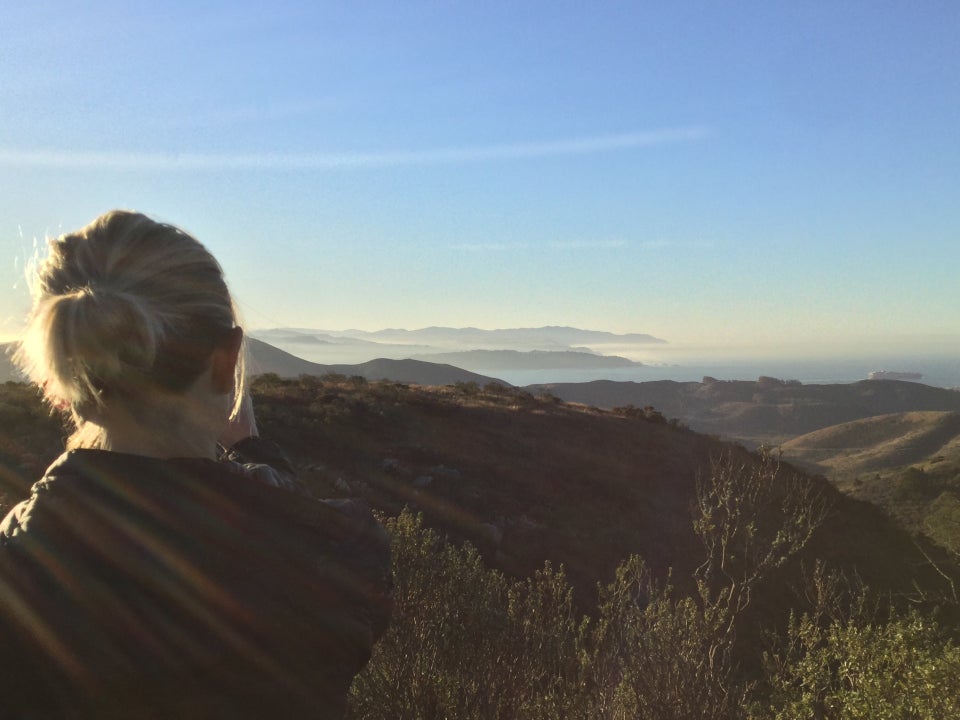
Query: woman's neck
[(157, 444), (181, 426)]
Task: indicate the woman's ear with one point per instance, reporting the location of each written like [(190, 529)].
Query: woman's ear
[(224, 362)]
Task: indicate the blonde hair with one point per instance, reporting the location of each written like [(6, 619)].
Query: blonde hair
[(123, 309)]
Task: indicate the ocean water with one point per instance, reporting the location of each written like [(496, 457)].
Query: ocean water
[(938, 372)]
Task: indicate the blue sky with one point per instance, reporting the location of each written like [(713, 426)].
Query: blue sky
[(747, 177)]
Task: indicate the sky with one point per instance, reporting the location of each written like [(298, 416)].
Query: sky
[(768, 177)]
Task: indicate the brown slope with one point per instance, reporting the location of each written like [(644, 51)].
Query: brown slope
[(526, 480), (906, 463), (530, 480), (265, 358), (875, 444), (417, 372)]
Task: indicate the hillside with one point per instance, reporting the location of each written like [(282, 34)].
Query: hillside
[(766, 411), (524, 479), (503, 348), (264, 358), (906, 463), (845, 451)]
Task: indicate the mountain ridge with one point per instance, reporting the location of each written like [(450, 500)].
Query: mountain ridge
[(267, 359), (529, 359), (766, 411), (466, 338)]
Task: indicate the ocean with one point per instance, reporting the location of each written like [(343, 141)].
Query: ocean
[(938, 372)]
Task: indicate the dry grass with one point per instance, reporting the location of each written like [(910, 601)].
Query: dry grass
[(525, 479), (877, 444)]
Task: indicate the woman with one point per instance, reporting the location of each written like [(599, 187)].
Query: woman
[(169, 564)]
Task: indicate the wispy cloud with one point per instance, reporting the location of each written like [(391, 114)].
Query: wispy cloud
[(335, 161), (588, 244), (661, 244), (491, 247), (558, 245), (615, 244)]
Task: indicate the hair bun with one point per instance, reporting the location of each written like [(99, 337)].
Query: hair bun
[(99, 340)]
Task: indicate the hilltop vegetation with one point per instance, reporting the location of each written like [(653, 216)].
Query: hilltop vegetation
[(729, 581)]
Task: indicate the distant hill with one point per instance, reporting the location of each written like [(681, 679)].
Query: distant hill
[(510, 337), (264, 358), (906, 463), (767, 410), (531, 360), (290, 336), (296, 336), (874, 444), (550, 337), (357, 346)]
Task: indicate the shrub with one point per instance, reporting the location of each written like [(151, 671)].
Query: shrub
[(942, 521), (440, 657), (468, 388), (913, 484), (468, 643), (496, 388), (647, 413), (660, 654), (902, 669)]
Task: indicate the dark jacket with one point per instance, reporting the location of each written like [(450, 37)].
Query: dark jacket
[(145, 588)]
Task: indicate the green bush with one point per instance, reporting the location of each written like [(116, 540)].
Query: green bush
[(914, 485), (467, 388), (467, 643), (440, 655), (942, 521), (905, 668), (660, 654)]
